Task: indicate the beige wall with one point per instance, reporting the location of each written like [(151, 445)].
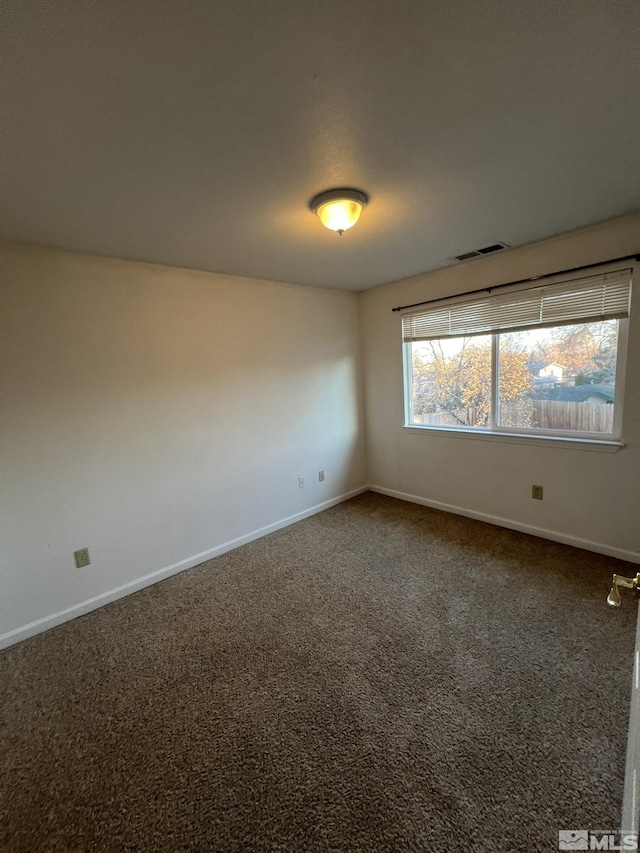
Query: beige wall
[(591, 499), (160, 416), (156, 415)]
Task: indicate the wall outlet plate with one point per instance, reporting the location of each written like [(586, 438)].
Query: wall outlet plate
[(321, 476), (536, 493), (82, 558), (301, 482)]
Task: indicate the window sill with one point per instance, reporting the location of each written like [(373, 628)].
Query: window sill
[(602, 445)]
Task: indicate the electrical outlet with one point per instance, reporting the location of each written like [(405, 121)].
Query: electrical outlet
[(301, 482), (536, 493), (82, 558), (321, 476)]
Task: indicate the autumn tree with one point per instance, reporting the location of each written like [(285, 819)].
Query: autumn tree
[(585, 349), (460, 383)]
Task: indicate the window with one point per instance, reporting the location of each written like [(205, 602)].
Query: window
[(537, 361)]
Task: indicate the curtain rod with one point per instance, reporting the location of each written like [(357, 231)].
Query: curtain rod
[(635, 257)]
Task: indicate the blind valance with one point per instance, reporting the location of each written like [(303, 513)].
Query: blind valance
[(585, 300)]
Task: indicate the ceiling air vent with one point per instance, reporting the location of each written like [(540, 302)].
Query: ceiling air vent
[(478, 253), (495, 248)]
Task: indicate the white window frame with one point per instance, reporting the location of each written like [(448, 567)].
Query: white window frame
[(612, 440)]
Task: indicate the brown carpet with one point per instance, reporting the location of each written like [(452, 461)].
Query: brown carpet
[(380, 677)]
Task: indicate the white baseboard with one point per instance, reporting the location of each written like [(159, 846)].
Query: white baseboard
[(543, 532), (40, 625)]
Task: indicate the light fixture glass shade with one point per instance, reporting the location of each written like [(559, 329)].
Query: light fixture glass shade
[(339, 210), (339, 215)]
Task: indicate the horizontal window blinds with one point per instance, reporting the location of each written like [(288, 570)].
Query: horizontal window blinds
[(598, 297)]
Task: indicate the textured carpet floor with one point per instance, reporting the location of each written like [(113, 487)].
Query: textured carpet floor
[(380, 677)]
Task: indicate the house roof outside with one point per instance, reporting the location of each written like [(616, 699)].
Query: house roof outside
[(580, 393)]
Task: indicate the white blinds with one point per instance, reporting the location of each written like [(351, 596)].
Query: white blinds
[(598, 297)]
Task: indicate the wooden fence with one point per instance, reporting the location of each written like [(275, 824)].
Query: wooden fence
[(578, 417), (534, 414)]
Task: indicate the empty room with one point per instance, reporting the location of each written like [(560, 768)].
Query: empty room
[(319, 426)]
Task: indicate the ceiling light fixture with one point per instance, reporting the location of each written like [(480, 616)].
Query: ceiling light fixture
[(339, 210)]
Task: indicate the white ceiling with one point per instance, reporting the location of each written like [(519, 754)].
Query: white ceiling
[(194, 132)]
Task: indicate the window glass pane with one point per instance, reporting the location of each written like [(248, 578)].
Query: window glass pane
[(560, 379), (451, 382)]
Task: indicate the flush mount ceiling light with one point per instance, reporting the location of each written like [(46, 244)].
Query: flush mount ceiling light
[(339, 210)]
